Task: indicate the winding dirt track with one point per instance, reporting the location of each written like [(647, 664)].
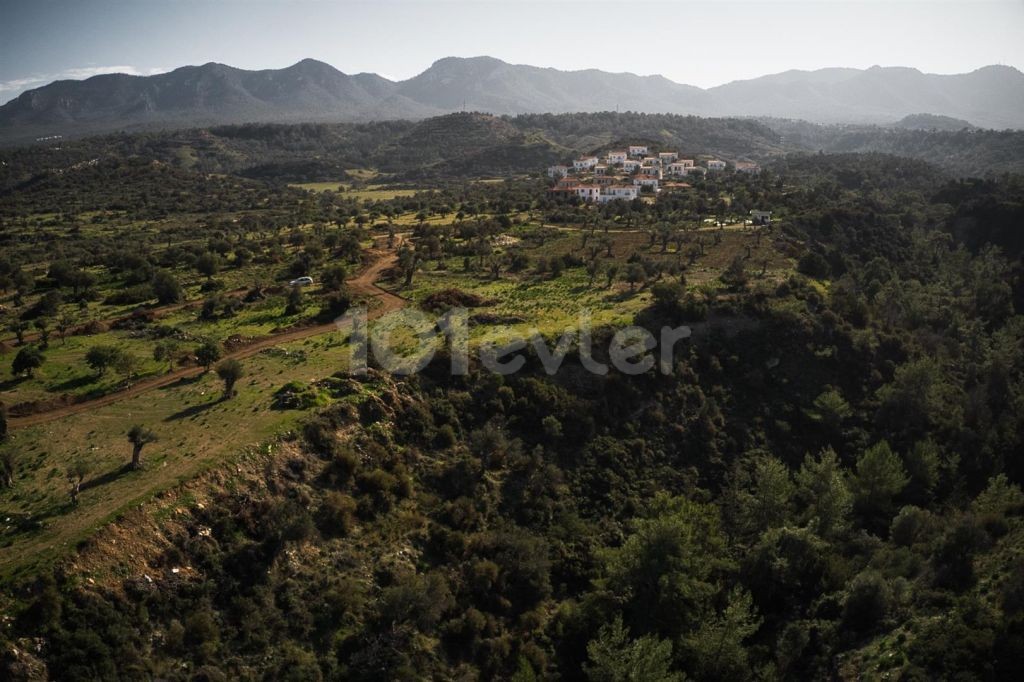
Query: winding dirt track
[(362, 286)]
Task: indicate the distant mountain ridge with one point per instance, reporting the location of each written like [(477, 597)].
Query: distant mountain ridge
[(312, 91)]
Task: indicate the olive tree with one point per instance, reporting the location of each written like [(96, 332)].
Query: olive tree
[(230, 371), (27, 361), (139, 436)]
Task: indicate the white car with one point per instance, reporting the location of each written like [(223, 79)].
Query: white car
[(301, 282)]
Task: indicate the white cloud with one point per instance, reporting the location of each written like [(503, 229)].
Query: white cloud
[(15, 87)]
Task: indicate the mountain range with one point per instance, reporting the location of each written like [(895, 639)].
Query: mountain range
[(312, 91)]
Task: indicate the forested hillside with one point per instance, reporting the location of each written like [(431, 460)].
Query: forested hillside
[(458, 145), (958, 152), (474, 145), (824, 483)]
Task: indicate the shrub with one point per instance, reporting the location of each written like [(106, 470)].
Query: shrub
[(666, 297), (813, 264), (380, 487), (453, 298), (693, 308), (166, 288), (337, 514), (867, 601), (208, 353), (131, 295), (296, 395), (334, 306), (333, 277), (344, 464)]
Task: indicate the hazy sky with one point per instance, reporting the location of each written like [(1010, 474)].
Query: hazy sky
[(700, 42)]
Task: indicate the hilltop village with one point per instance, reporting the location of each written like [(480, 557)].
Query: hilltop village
[(627, 174)]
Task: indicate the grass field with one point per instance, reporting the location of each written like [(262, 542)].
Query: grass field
[(66, 373), (368, 193), (547, 305), (195, 427), (528, 301), (130, 236), (195, 430), (65, 370)]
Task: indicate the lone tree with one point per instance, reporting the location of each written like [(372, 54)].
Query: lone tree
[(166, 350), (333, 277), (167, 288), (634, 275), (77, 471), (18, 328), (666, 297), (294, 304), (65, 323), (208, 264), (43, 326), (27, 361), (139, 436), (408, 260), (610, 274), (207, 354), (101, 358), (230, 371), (735, 276)]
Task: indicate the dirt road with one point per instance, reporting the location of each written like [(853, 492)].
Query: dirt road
[(361, 286)]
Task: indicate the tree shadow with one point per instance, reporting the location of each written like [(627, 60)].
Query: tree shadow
[(624, 295), (106, 478), (13, 382), (76, 382), (191, 411), (18, 524)]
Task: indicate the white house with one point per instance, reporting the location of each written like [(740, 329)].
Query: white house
[(668, 157), (646, 181), (584, 163), (761, 217), (653, 171), (680, 167), (716, 165), (638, 150), (695, 170), (630, 165), (747, 167), (588, 192), (600, 170), (619, 193), (558, 171), (617, 157)]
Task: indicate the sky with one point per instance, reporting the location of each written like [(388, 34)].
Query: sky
[(699, 42)]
